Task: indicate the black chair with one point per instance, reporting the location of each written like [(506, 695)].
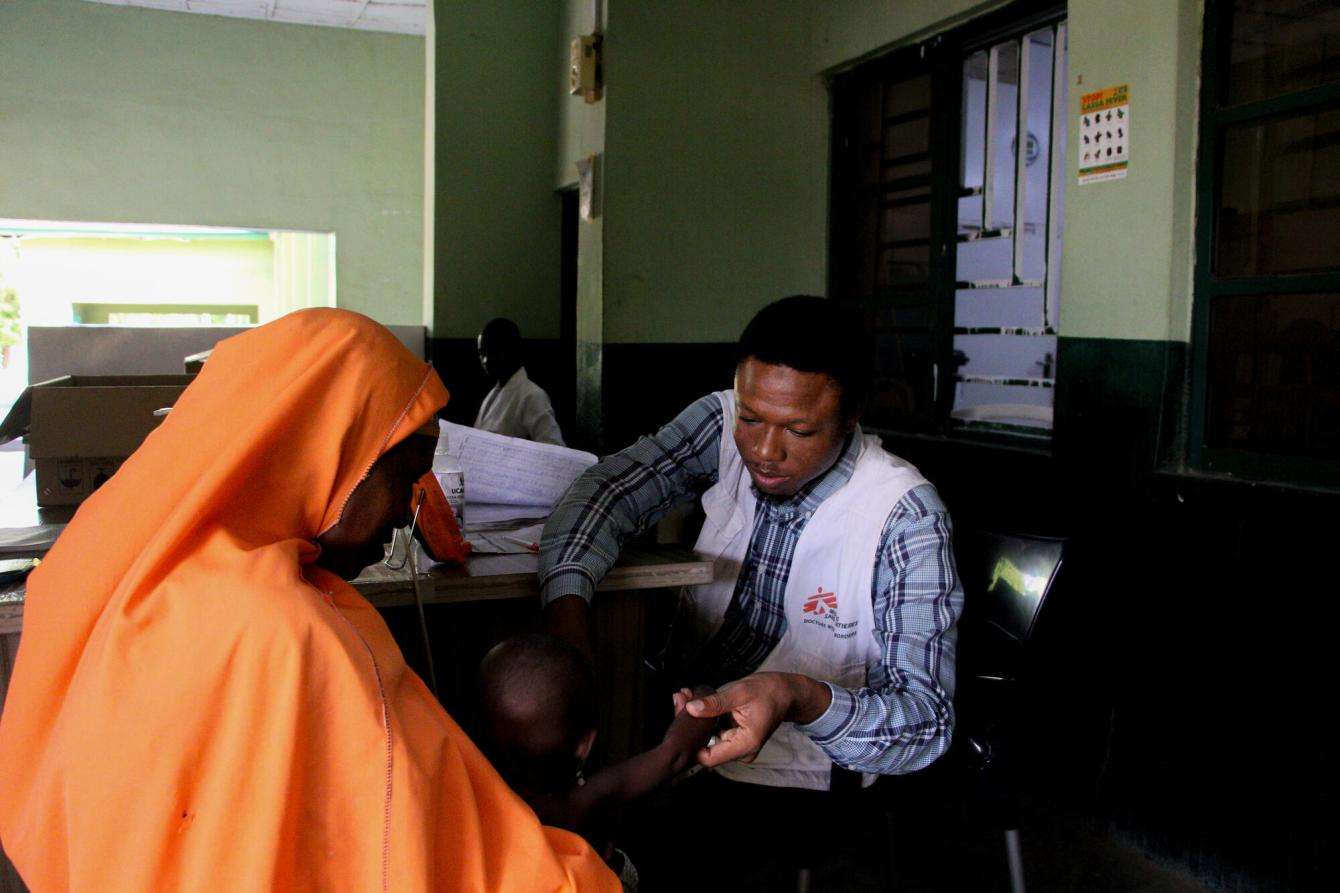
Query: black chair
[(1007, 578)]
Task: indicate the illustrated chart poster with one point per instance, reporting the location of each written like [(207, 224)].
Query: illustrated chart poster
[(1104, 134)]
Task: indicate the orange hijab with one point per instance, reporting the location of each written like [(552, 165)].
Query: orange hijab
[(196, 705)]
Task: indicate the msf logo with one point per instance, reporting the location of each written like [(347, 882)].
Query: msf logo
[(820, 603)]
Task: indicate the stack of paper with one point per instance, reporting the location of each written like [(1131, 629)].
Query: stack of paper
[(510, 471), (511, 485)]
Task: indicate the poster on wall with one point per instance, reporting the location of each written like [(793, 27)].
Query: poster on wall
[(1104, 134)]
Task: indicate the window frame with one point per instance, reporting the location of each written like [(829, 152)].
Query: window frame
[(1214, 118), (947, 51)]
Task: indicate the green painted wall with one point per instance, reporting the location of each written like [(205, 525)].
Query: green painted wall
[(1127, 263), (716, 175), (497, 225), (714, 127), (126, 114), (843, 31), (581, 125), (1128, 251)]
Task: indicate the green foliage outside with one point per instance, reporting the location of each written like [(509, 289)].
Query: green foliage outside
[(10, 333)]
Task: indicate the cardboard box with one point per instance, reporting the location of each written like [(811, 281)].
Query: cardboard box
[(79, 429)]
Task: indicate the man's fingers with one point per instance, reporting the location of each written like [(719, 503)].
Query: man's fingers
[(719, 702), (733, 744)]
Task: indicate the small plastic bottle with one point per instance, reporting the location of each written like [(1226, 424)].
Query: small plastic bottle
[(451, 477)]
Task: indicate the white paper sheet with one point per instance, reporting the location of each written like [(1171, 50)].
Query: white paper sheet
[(511, 471), (487, 516), (505, 542)]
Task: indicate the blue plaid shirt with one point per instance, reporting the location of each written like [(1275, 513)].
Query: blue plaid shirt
[(902, 719)]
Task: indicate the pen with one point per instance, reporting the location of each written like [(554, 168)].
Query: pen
[(533, 547)]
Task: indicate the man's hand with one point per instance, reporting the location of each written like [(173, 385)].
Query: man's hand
[(569, 618), (757, 704), (688, 734)]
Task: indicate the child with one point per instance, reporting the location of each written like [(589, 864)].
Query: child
[(538, 725)]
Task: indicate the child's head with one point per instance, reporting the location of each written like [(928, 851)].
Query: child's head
[(537, 711)]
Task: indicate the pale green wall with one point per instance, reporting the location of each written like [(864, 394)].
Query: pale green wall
[(581, 125), (429, 166), (497, 230), (716, 176), (715, 131), (1127, 263), (1128, 250), (123, 114), (845, 30)]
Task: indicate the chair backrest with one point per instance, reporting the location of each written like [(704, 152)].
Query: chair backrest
[(1006, 580)]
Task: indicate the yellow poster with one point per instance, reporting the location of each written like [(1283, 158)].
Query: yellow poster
[(1104, 134)]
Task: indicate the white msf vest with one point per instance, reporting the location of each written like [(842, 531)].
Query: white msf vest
[(830, 624)]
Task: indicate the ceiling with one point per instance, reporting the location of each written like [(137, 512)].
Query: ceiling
[(399, 16)]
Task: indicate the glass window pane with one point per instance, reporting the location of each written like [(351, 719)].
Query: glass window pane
[(896, 172), (903, 265), (907, 138), (985, 261), (900, 312), (866, 129), (1281, 46), (1032, 232), (1006, 356), (1279, 196), (1015, 308), (1002, 127), (1274, 374), (972, 167), (1001, 404), (901, 387), (911, 95), (907, 221)]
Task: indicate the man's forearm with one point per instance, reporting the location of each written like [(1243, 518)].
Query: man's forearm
[(623, 494), (885, 732), (569, 618)]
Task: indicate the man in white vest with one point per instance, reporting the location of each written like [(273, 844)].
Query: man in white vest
[(829, 627)]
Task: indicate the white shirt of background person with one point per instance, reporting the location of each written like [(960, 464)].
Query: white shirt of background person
[(519, 408)]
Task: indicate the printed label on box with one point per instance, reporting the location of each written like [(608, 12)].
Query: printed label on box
[(100, 471), (71, 476)]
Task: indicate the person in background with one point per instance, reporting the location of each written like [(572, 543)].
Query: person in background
[(201, 700), (516, 406)]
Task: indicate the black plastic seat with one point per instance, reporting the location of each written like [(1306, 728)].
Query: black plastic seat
[(1007, 580)]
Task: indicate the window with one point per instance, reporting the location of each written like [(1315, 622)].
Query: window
[(1007, 267), (62, 273), (95, 313), (1266, 395), (946, 235)]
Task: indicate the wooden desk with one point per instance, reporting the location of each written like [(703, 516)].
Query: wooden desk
[(495, 577), (484, 578)]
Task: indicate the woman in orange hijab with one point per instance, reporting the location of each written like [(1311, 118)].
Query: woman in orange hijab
[(201, 702)]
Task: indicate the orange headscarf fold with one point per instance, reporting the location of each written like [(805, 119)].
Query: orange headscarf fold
[(197, 705)]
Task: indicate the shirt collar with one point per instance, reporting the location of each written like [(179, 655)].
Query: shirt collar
[(517, 378), (809, 497)]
